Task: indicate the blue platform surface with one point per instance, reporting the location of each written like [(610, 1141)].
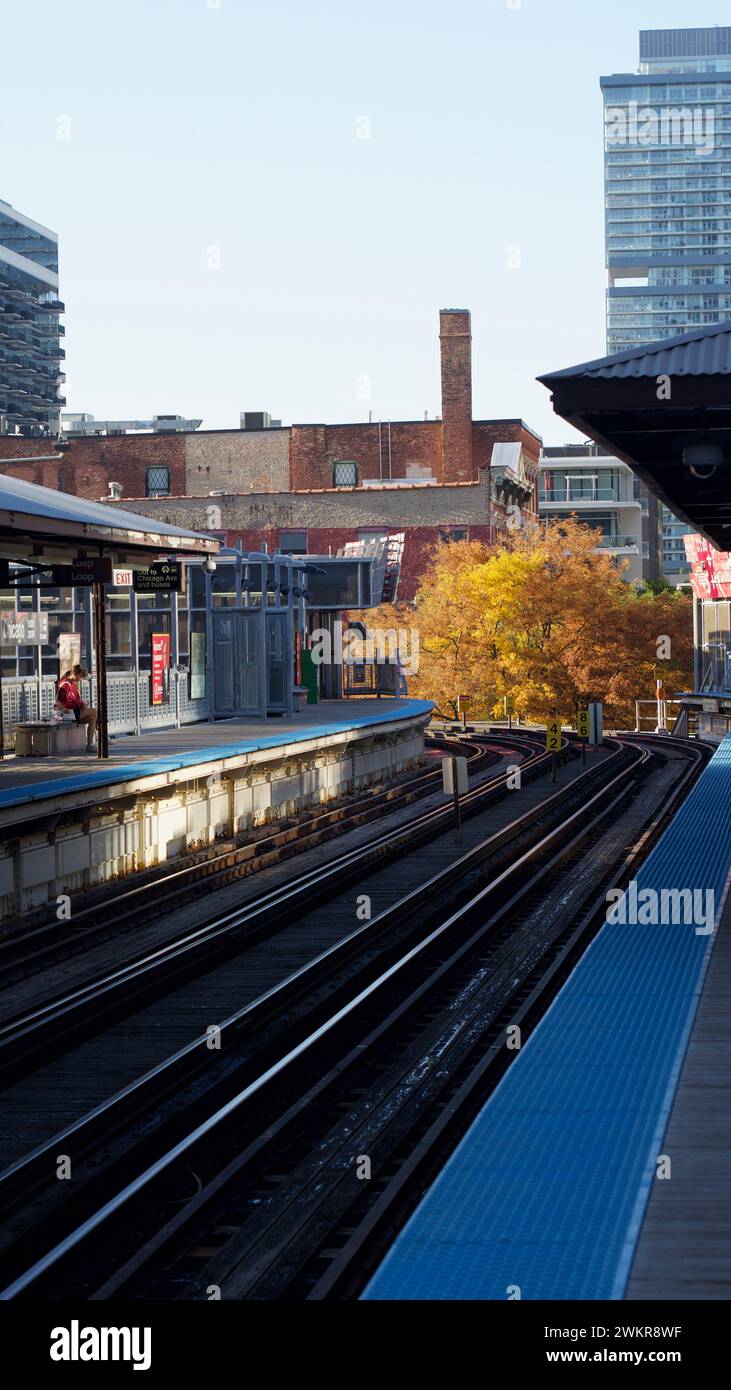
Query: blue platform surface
[(108, 774), (548, 1188)]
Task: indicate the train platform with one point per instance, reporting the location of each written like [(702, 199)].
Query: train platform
[(684, 1246), (78, 820), (171, 750), (598, 1169)]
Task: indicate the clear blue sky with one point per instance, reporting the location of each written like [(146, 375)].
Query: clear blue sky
[(199, 124)]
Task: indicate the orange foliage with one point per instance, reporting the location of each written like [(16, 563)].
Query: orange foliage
[(545, 619)]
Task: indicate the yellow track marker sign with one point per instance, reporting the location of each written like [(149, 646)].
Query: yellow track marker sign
[(553, 736)]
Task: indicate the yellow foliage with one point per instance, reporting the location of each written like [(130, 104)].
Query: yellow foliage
[(545, 619)]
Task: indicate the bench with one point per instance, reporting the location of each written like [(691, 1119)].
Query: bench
[(36, 739)]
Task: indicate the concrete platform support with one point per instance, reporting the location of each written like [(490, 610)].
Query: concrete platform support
[(70, 842)]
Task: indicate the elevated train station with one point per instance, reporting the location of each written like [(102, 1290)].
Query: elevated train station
[(539, 1082)]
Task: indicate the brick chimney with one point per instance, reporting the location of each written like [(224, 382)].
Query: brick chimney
[(455, 337)]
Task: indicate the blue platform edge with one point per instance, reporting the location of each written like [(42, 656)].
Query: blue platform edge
[(547, 1190), (153, 767)]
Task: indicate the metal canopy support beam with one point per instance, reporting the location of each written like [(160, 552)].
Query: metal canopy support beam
[(100, 655)]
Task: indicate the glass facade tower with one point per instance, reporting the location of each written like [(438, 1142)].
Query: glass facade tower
[(30, 333), (667, 166), (668, 188)]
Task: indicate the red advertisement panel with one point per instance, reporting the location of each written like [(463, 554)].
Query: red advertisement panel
[(710, 569), (160, 669)]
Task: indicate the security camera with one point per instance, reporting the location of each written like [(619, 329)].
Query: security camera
[(210, 565), (703, 459)]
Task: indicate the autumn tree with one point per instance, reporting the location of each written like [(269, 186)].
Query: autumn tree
[(545, 619)]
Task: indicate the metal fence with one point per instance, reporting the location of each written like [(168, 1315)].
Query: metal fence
[(649, 717), (128, 696)]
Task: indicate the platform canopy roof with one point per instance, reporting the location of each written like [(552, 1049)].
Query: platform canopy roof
[(665, 409), (38, 523)]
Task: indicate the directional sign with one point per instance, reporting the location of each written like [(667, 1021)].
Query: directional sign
[(24, 629), (81, 572), (583, 722), (553, 736), (163, 578)]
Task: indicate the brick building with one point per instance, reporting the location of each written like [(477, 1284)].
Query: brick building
[(315, 486)]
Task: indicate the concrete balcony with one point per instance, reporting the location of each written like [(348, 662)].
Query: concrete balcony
[(603, 499)]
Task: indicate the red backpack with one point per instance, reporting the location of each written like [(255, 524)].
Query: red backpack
[(68, 695)]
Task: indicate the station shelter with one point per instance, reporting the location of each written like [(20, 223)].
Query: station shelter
[(665, 409), (68, 568), (222, 643), (189, 631)]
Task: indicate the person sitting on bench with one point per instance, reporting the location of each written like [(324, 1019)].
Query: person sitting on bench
[(68, 697)]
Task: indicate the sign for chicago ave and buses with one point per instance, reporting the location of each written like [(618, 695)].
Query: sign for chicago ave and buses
[(166, 577)]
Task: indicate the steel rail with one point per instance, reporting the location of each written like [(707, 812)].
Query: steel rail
[(229, 864), (281, 997), (578, 825), (23, 1037)]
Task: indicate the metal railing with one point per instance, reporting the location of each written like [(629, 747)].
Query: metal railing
[(128, 697), (379, 678), (649, 717)]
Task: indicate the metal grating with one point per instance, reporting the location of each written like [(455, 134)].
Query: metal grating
[(684, 43), (20, 703), (548, 1188), (121, 704), (158, 482), (345, 473)]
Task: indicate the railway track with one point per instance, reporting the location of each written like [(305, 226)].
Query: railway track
[(377, 1048), (28, 948), (140, 978)]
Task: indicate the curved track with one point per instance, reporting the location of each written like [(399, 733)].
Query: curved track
[(28, 948), (401, 1011)]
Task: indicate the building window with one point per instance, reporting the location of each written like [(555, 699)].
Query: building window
[(158, 482), (452, 533), (293, 542), (345, 474)]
